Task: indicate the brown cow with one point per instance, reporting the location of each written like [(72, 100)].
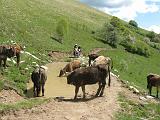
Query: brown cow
[(105, 61), (70, 67), (87, 76), (153, 80), (17, 49), (10, 51)]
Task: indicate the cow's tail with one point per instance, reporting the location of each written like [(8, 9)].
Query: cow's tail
[(109, 79)]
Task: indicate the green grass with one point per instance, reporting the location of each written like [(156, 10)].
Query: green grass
[(134, 68), (32, 23), (25, 104), (136, 111)]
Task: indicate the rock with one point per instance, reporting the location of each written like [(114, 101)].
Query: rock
[(135, 90), (142, 98), (131, 87), (149, 97)]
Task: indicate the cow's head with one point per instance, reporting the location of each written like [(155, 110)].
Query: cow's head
[(61, 73)]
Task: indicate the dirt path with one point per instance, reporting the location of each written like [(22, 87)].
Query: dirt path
[(65, 108)]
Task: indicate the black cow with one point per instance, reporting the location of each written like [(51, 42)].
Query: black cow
[(39, 78), (92, 57), (5, 51), (87, 76)]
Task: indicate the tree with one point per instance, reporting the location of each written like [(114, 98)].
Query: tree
[(61, 29), (151, 35), (115, 21), (112, 38), (133, 23)]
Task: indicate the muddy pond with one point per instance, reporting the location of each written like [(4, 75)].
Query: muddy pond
[(56, 86)]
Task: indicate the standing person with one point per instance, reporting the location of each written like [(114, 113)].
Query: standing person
[(75, 51), (79, 51)]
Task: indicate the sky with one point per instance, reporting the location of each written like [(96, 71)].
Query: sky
[(145, 12)]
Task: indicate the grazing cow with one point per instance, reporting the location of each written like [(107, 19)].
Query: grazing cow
[(5, 51), (17, 50), (70, 67), (87, 76), (39, 78), (10, 51), (104, 61), (153, 80), (92, 57)]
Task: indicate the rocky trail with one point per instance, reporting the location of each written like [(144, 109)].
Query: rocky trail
[(65, 108)]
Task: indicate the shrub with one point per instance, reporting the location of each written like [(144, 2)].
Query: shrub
[(108, 34), (154, 45), (133, 23), (61, 29), (138, 47)]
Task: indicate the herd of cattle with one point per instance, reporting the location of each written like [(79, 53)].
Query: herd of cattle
[(97, 71)]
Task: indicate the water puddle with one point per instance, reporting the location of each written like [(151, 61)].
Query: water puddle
[(55, 86)]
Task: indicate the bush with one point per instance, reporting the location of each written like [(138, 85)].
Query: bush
[(108, 34), (138, 47), (61, 29), (133, 23), (115, 21), (155, 45)]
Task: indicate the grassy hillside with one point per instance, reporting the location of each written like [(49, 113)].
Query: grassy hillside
[(45, 25), (34, 24)]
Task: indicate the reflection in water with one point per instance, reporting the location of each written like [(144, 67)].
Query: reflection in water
[(55, 86)]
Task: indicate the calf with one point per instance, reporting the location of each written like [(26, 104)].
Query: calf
[(92, 57), (70, 67), (87, 76)]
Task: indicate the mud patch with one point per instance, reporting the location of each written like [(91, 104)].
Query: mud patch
[(9, 96), (55, 86)]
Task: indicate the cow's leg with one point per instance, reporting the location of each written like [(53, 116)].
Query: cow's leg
[(76, 92), (98, 90), (34, 90), (42, 89), (5, 62), (150, 90), (39, 90), (157, 91), (103, 86), (18, 58), (89, 62), (83, 90), (102, 90)]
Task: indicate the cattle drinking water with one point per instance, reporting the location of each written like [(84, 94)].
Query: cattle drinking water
[(70, 67)]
